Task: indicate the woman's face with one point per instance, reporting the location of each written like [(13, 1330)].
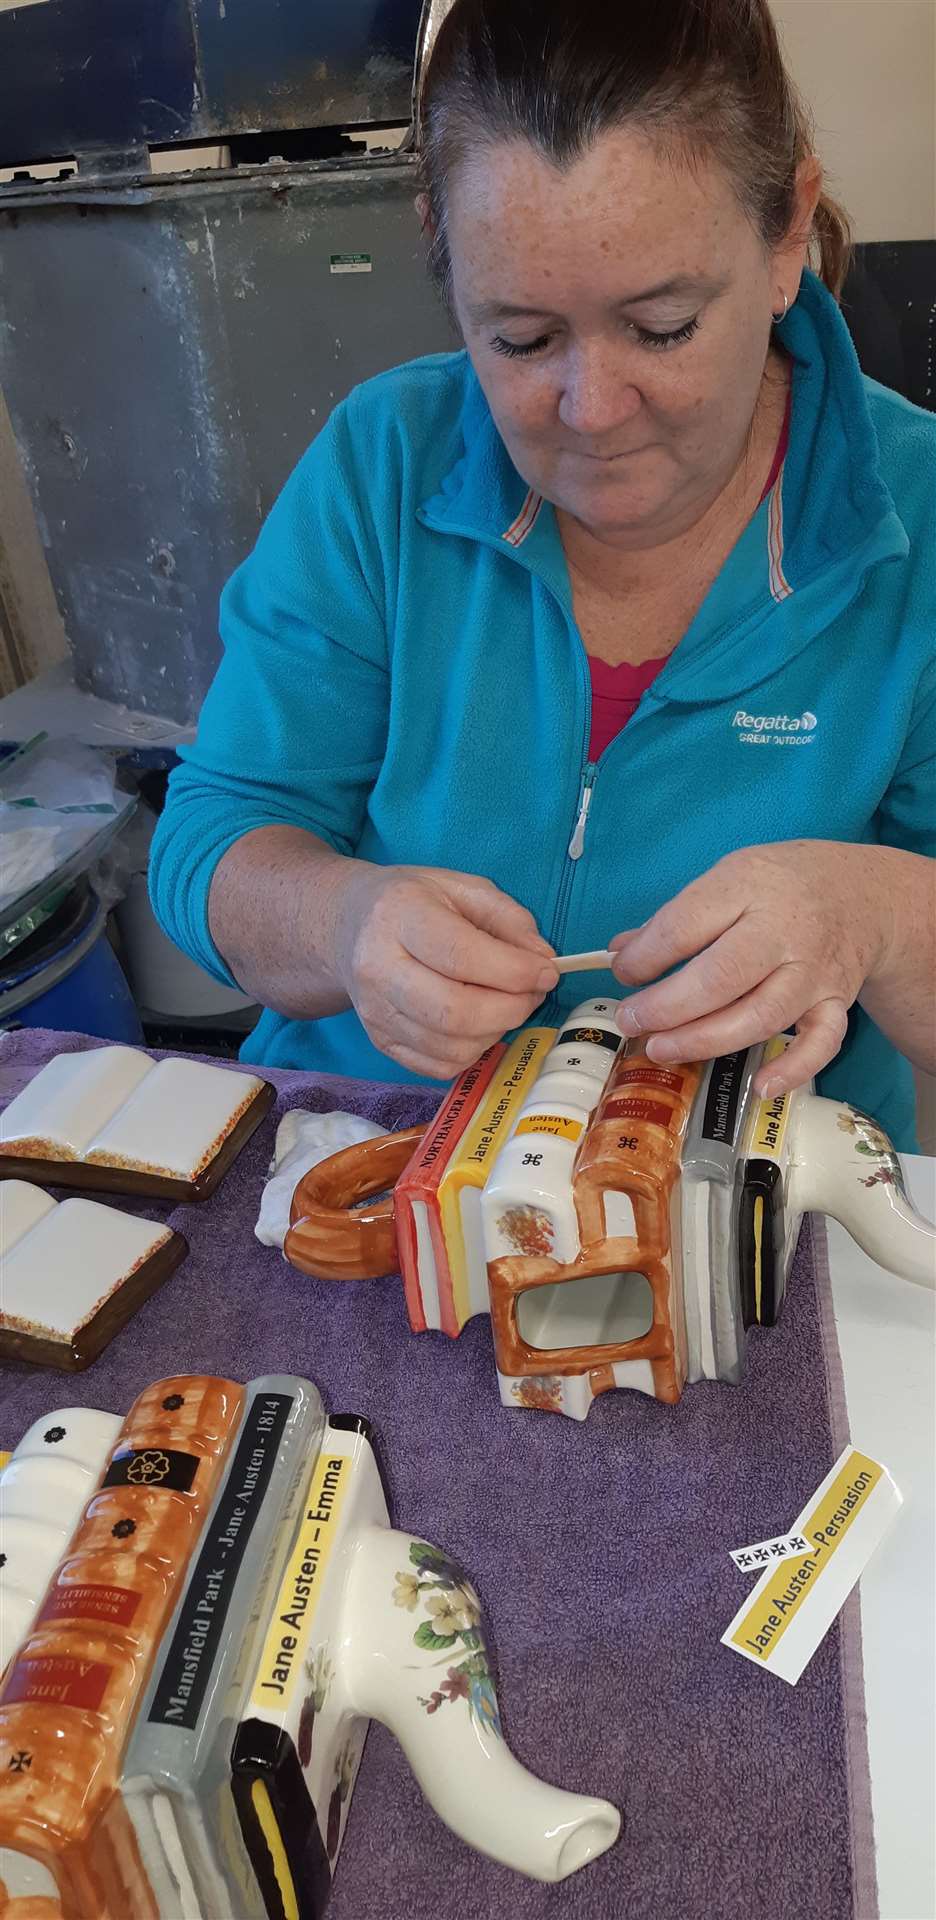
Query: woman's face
[(617, 315)]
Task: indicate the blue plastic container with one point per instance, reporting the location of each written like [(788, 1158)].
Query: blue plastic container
[(72, 983)]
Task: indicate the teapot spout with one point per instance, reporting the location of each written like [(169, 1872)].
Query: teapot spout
[(843, 1164), (417, 1661)]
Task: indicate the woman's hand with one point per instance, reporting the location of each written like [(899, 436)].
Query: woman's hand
[(773, 937), (437, 964)]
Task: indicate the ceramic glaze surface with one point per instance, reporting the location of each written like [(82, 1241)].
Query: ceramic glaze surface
[(71, 1688), (194, 1692), (43, 1489), (73, 1097), (23, 1208), (58, 1271), (177, 1117), (623, 1223), (115, 1107)]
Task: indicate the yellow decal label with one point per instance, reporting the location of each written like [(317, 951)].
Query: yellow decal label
[(759, 1630), (772, 1116), (554, 1123), (302, 1583), (520, 1065), (473, 1157)]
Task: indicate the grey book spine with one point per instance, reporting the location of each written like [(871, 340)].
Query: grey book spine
[(177, 1759)]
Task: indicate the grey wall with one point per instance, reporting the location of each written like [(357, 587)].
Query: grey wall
[(167, 351)]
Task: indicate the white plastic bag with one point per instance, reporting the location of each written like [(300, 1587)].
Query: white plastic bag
[(55, 798), (302, 1140)]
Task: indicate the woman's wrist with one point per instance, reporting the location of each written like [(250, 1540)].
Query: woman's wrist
[(334, 911), (898, 987), (895, 885), (272, 909)]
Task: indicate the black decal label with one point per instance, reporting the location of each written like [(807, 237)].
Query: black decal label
[(152, 1467), (761, 1234), (720, 1119), (589, 1036)]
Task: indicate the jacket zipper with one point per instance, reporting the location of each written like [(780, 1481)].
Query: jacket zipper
[(577, 843), (574, 852)]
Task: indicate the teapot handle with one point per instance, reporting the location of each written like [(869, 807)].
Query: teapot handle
[(332, 1238)]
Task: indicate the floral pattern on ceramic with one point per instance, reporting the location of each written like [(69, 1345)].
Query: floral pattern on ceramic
[(542, 1390), (528, 1229), (870, 1140), (346, 1766), (453, 1615), (320, 1673)]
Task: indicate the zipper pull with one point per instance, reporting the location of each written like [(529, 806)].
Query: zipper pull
[(577, 842)]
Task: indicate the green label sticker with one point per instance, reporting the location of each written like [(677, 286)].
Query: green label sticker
[(349, 263)]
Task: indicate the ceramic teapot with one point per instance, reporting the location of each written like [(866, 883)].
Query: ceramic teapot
[(623, 1223), (187, 1695)]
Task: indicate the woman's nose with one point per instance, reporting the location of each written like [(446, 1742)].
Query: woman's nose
[(598, 395)]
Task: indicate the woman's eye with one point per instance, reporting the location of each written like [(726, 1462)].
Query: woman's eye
[(672, 339), (656, 342), (524, 352)]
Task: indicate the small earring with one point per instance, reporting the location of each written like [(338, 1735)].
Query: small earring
[(778, 317)]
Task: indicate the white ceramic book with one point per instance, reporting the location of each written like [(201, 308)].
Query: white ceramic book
[(527, 1204), (43, 1488), (73, 1272), (112, 1117)]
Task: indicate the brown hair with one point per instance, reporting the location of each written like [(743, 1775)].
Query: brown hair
[(702, 76)]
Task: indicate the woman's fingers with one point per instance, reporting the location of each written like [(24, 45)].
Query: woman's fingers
[(450, 1009), (438, 937), (440, 1056), (441, 964), (717, 978), (494, 912), (819, 1035), (682, 928), (774, 1005)]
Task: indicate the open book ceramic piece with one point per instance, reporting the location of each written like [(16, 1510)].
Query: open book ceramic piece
[(72, 1274), (112, 1120), (623, 1223), (182, 1724)]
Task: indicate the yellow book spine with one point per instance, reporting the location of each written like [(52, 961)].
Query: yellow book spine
[(475, 1156)]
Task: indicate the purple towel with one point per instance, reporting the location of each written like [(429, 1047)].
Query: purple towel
[(601, 1552)]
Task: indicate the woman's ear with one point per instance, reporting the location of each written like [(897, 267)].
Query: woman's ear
[(807, 189)]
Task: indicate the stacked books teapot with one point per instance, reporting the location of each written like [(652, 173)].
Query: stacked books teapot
[(623, 1223), (203, 1606)]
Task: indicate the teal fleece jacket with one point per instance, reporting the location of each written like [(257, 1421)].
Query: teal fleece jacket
[(402, 675)]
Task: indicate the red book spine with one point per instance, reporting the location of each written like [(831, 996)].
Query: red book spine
[(419, 1181)]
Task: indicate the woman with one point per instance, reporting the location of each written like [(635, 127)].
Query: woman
[(618, 623)]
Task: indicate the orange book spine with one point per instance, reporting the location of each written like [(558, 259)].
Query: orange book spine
[(429, 1297), (68, 1697)]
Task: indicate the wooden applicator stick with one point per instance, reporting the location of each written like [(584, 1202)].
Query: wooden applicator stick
[(583, 962)]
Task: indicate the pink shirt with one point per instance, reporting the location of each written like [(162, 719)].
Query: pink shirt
[(616, 691)]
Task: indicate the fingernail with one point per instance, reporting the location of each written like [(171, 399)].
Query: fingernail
[(771, 1085), (627, 1019), (662, 1050), (546, 978)]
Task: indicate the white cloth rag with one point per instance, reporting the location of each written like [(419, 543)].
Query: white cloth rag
[(302, 1140)]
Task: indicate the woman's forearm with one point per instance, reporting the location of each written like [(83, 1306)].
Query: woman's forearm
[(900, 992), (272, 910)]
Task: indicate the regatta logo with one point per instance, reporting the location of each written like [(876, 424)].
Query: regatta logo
[(775, 729)]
